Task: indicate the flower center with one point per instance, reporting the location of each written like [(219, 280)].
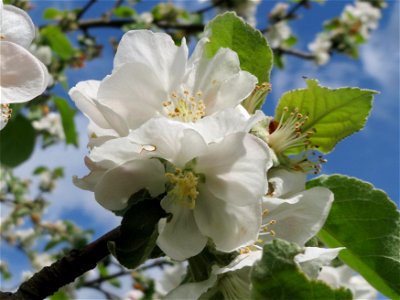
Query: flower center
[(184, 187), (5, 112), (185, 107)]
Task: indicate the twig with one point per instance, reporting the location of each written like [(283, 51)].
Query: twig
[(297, 53), (85, 8), (289, 15), (50, 279)]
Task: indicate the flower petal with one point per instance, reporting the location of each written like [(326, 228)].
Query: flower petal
[(156, 50), (229, 226), (235, 168), (285, 183), (232, 120), (220, 80), (134, 92), (180, 237), (300, 217), (172, 140), (16, 26), (23, 76), (84, 95), (314, 258), (192, 290), (118, 184)]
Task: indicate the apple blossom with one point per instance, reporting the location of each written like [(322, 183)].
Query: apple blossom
[(22, 75), (153, 77), (343, 276), (52, 124), (213, 190)]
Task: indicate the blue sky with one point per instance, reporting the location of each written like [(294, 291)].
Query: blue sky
[(371, 155)]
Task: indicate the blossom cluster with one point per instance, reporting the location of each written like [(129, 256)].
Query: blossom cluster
[(22, 76), (175, 126), (344, 33)]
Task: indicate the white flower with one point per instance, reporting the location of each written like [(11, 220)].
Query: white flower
[(172, 277), (134, 295), (278, 33), (293, 213), (153, 77), (364, 12), (52, 124), (213, 189), (279, 10), (343, 276), (290, 212), (41, 260), (321, 47), (23, 76)]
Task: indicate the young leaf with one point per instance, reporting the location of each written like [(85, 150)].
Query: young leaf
[(277, 276), (67, 118), (138, 233), (230, 31), (333, 113), (58, 41), (17, 141), (366, 222)]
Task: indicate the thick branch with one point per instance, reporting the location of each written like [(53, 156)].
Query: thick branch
[(50, 279)]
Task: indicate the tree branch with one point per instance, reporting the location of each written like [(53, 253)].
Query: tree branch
[(50, 279), (295, 52), (85, 8)]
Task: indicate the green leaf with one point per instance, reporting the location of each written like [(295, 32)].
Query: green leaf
[(333, 113), (230, 31), (17, 141), (51, 13), (67, 118), (124, 11), (58, 41), (277, 276), (366, 222), (59, 295), (138, 233)]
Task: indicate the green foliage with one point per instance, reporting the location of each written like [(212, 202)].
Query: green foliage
[(138, 233), (17, 141), (277, 276), (58, 41), (124, 12), (67, 118), (52, 13), (230, 31), (333, 113), (366, 222)]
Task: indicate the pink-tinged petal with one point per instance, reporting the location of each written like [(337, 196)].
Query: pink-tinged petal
[(23, 76), (229, 226), (118, 184), (235, 168), (300, 217), (89, 181), (84, 95), (180, 237), (156, 50), (17, 26), (134, 92)]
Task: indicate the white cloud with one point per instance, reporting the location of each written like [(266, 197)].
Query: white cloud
[(381, 55)]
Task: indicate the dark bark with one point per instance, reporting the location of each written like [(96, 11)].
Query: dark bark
[(64, 271)]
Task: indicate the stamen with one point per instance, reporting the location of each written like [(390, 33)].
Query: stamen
[(5, 112), (185, 107), (184, 187)]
